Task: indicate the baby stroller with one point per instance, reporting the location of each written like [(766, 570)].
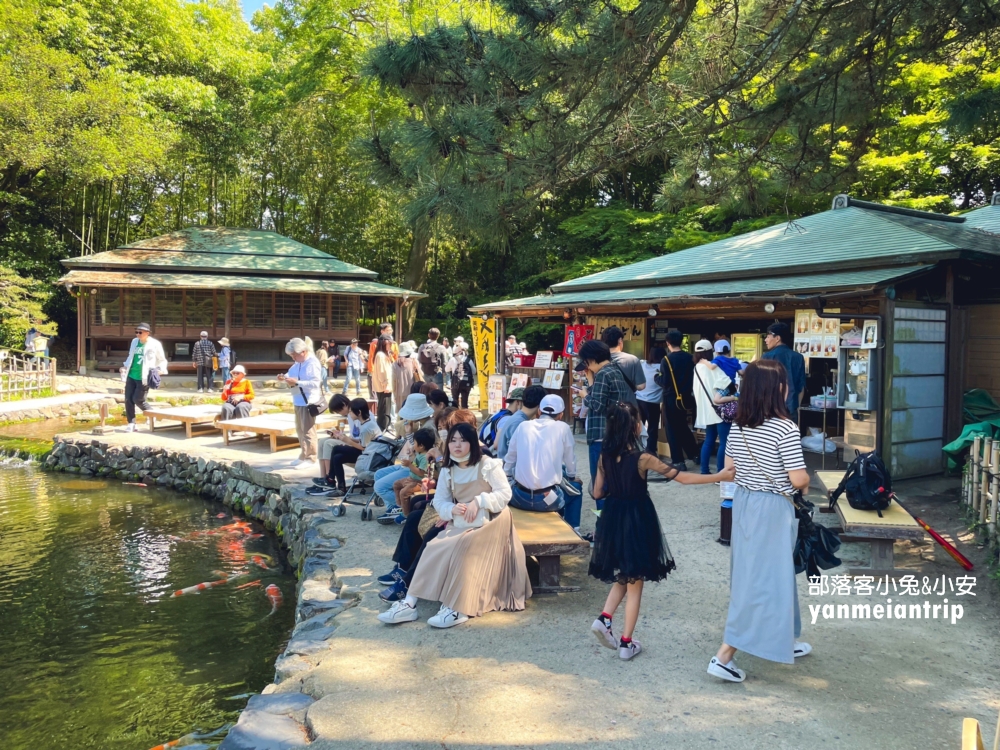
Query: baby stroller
[(379, 453)]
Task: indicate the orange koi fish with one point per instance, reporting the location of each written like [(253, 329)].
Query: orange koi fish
[(197, 588), (273, 594), (248, 585), (221, 515)]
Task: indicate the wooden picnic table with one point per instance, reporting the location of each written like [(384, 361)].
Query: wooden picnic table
[(879, 532), (278, 428), (197, 419)]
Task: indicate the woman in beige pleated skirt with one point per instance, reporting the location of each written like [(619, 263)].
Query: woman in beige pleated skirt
[(476, 565)]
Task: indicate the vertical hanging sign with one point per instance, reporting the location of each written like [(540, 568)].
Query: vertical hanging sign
[(484, 345)]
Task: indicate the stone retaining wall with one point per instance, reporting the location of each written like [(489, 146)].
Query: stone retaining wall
[(279, 716), (62, 410)]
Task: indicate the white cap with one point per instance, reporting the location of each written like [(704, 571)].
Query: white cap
[(703, 346), (239, 368), (204, 334), (552, 405), (721, 345)]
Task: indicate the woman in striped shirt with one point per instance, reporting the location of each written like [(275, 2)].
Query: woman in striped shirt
[(765, 449)]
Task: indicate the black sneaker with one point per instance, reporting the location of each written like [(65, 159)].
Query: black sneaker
[(389, 517), (391, 577), (324, 492), (394, 593), (323, 482)]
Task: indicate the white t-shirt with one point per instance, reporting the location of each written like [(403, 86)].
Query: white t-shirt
[(368, 431), (714, 379), (652, 393), (538, 451), (775, 446)]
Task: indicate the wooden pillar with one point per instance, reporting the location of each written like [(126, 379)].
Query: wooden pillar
[(81, 330), (984, 483), (502, 347), (229, 312)]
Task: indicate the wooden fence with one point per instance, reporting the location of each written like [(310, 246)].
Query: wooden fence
[(26, 375), (981, 481)]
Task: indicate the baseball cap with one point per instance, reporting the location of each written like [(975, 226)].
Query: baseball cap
[(721, 345), (703, 346), (204, 334), (516, 395), (551, 405)]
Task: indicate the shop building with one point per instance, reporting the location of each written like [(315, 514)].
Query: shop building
[(900, 310), (257, 288)]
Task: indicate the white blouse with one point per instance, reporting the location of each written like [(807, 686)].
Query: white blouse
[(494, 501), (714, 379)]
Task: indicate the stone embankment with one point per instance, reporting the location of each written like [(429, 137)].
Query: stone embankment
[(54, 407), (278, 719)]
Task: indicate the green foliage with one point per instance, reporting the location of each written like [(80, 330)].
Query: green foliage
[(21, 302)]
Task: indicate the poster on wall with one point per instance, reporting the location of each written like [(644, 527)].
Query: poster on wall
[(495, 390), (484, 347), (869, 335), (830, 345), (802, 318), (746, 346), (553, 379), (575, 336), (543, 360)]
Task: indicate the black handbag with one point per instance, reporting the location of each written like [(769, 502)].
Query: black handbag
[(815, 545)]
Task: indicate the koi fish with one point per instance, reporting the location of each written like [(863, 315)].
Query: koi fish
[(165, 745), (254, 536), (221, 515), (248, 585), (261, 555), (273, 594), (135, 484), (199, 587)]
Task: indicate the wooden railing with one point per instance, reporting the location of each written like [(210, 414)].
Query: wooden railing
[(26, 375)]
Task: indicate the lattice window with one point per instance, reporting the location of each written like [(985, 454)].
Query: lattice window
[(343, 313), (259, 311), (220, 311), (314, 312), (199, 313), (169, 308), (138, 306), (106, 308), (287, 311), (236, 318)]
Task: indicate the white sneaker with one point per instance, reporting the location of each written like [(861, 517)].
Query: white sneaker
[(604, 635), (801, 649), (627, 652), (201, 390), (447, 618), (397, 613), (729, 671), (298, 462)]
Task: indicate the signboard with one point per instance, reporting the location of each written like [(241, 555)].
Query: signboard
[(517, 380), (553, 379), (495, 392), (543, 360), (574, 338), (484, 350), (746, 346)]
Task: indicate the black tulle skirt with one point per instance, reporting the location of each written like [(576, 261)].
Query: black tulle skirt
[(628, 543)]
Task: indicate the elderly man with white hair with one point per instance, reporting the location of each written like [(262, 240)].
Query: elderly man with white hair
[(304, 378)]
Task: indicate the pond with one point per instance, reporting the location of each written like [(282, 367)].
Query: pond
[(97, 651)]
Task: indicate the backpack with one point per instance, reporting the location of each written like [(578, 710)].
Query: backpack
[(867, 482), (491, 428), (232, 358), (428, 362)]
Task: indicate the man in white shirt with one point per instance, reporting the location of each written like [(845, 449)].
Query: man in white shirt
[(540, 451)]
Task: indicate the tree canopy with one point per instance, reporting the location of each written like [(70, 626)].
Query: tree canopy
[(482, 150)]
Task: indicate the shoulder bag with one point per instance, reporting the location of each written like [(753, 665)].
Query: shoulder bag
[(677, 391), (314, 409), (815, 546), (726, 411)]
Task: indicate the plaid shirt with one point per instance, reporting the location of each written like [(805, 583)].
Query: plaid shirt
[(609, 388)]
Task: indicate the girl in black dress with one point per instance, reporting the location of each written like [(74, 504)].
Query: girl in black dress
[(629, 547)]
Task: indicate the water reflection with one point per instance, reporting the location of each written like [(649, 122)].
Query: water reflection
[(95, 652)]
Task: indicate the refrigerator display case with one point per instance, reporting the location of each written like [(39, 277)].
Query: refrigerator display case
[(858, 379)]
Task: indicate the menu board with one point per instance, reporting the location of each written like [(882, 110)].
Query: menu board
[(815, 336), (746, 346), (495, 392)]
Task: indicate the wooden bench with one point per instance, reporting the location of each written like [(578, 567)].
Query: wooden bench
[(197, 419), (546, 537), (279, 429), (866, 526)]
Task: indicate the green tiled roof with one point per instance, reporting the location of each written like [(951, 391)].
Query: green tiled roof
[(774, 285), (236, 282), (986, 219), (853, 237), (225, 249)]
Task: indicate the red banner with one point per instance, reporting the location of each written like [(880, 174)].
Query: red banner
[(575, 336)]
